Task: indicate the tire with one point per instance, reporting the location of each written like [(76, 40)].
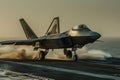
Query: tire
[(35, 48), (75, 58), (65, 51), (42, 55), (69, 54)]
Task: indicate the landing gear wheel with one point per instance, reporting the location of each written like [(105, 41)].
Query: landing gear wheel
[(42, 55), (69, 54), (35, 48), (75, 58)]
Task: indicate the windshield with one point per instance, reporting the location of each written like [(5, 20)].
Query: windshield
[(81, 28)]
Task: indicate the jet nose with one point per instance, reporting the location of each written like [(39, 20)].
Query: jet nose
[(95, 35)]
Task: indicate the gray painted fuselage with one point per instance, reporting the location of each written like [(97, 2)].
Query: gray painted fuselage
[(76, 37)]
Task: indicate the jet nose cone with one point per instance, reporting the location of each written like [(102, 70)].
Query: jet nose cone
[(95, 35), (99, 35)]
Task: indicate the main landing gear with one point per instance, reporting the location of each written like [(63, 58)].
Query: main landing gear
[(42, 55), (68, 53), (71, 54)]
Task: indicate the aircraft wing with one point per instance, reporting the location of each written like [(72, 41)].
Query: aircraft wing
[(18, 42)]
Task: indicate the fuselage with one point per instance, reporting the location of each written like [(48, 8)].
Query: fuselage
[(77, 37)]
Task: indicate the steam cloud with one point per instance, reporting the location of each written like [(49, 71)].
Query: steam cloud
[(26, 52), (84, 53), (18, 52)]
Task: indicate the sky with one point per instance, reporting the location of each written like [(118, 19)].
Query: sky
[(102, 16)]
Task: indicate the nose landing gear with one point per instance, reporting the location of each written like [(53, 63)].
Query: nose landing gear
[(75, 56), (71, 54)]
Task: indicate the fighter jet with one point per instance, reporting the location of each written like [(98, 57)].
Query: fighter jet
[(69, 40)]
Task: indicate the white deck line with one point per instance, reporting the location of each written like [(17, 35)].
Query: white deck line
[(67, 70)]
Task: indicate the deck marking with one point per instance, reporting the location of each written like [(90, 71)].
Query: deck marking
[(67, 70)]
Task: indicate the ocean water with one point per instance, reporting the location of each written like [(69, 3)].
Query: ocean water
[(108, 45)]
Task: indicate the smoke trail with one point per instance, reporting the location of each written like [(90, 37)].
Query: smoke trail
[(83, 53), (56, 54), (18, 52), (7, 49), (26, 52)]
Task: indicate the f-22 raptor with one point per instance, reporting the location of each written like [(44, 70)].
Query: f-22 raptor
[(69, 40)]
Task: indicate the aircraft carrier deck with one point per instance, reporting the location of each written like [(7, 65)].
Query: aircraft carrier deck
[(67, 70)]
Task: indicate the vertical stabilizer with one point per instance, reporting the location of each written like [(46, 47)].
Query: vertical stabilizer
[(54, 27), (28, 31)]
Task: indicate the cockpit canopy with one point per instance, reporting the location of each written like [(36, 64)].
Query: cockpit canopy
[(81, 27)]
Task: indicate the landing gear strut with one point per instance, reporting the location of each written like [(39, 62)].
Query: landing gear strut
[(35, 48), (71, 55), (42, 55), (68, 53), (75, 57)]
